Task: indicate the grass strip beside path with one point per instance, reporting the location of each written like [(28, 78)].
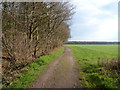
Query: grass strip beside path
[(35, 69)]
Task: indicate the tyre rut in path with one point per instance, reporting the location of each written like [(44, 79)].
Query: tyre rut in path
[(61, 73)]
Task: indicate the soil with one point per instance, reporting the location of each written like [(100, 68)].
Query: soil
[(61, 73)]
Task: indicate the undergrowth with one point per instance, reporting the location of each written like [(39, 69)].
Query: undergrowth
[(31, 72)]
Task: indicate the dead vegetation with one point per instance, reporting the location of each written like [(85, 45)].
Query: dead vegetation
[(111, 68)]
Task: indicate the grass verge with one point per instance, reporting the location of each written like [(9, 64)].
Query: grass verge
[(30, 73), (90, 59)]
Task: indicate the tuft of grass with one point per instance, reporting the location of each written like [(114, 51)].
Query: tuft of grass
[(89, 58), (30, 73)]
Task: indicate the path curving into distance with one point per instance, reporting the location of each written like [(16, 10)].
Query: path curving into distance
[(61, 73)]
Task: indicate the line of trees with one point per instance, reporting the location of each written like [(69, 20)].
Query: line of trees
[(91, 42), (32, 29)]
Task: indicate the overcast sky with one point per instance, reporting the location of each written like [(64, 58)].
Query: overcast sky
[(95, 20)]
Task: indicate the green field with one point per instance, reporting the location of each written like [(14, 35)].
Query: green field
[(93, 61)]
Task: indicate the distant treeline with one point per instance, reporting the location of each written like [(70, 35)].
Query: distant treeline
[(92, 42)]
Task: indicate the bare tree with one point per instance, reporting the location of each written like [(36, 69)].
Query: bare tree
[(33, 29)]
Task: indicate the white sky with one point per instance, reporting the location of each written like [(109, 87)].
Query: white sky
[(95, 20)]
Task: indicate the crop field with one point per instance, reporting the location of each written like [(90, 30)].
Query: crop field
[(98, 65)]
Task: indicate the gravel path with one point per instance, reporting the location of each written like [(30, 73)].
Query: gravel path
[(61, 73)]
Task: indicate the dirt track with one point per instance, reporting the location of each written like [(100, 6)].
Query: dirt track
[(61, 73)]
